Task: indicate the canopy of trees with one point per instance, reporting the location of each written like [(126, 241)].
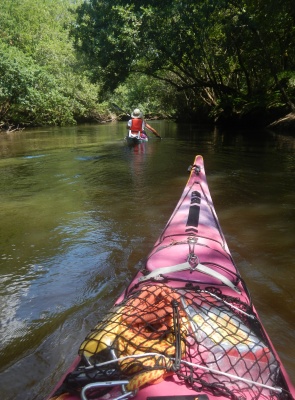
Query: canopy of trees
[(230, 55), (62, 61)]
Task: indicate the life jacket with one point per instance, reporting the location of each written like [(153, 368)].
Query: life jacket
[(136, 126)]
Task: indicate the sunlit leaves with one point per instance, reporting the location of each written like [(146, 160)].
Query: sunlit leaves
[(221, 50), (41, 80)]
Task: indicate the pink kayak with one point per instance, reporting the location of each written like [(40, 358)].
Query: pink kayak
[(185, 328)]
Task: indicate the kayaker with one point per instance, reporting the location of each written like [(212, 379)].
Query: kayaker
[(136, 125)]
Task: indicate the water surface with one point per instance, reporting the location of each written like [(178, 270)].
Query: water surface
[(80, 210)]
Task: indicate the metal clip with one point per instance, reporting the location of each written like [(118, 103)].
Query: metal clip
[(97, 385), (191, 244), (192, 258)]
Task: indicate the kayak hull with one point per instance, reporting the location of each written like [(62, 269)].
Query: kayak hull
[(134, 140), (185, 327)]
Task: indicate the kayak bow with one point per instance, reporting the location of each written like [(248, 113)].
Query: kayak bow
[(185, 328)]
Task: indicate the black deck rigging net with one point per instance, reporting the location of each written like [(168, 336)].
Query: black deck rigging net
[(212, 342)]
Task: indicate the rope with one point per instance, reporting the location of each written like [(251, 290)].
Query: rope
[(157, 330), (149, 322)]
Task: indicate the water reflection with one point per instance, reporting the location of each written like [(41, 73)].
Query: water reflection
[(80, 209)]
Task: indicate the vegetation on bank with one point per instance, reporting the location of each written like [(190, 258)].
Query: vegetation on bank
[(42, 81), (67, 61)]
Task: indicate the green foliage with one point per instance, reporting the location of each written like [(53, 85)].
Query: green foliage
[(151, 95), (221, 53), (42, 82), (171, 57)]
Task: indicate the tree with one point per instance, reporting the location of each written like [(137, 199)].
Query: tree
[(152, 96), (225, 53), (42, 82)]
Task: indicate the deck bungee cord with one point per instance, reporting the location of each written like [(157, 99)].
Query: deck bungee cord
[(194, 365), (124, 383), (156, 317)]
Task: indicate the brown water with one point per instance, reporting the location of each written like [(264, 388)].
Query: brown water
[(80, 210)]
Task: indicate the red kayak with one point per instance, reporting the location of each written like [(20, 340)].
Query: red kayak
[(185, 328)]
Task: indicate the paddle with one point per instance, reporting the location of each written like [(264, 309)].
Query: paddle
[(147, 125), (153, 130), (120, 109)]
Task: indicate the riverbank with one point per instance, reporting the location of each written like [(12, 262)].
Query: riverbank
[(286, 123), (256, 118)]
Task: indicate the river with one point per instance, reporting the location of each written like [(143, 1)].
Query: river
[(80, 210)]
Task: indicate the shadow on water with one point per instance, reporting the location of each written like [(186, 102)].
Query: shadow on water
[(80, 211)]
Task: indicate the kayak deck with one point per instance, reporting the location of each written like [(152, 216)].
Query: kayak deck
[(185, 327)]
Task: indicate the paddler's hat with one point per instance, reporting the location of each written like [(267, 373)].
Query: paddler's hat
[(136, 113)]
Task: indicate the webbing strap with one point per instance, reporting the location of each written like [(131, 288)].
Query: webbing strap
[(215, 274), (165, 270), (185, 266)]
